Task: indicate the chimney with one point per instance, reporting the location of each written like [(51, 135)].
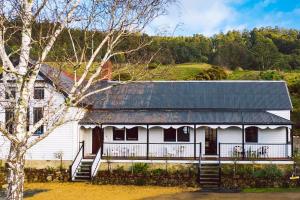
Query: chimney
[(106, 72)]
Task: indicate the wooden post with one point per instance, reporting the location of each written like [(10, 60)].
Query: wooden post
[(292, 141), (287, 135), (243, 141), (195, 144), (147, 142)]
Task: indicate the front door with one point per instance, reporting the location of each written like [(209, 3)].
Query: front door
[(211, 141), (97, 140)]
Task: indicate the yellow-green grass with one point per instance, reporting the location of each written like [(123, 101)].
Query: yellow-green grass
[(86, 191), (264, 190)]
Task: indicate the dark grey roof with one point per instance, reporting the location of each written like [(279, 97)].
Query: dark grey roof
[(59, 78), (182, 117), (248, 95)]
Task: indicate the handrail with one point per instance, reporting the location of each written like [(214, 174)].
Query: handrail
[(76, 162), (254, 150), (96, 164)]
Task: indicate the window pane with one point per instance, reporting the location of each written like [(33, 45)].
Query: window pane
[(9, 116), (10, 93), (183, 134), (37, 116), (132, 134), (38, 93), (170, 135), (118, 134), (251, 134)]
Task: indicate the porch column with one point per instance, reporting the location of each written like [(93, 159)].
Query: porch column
[(147, 142), (287, 141), (243, 141), (292, 141), (287, 134), (195, 144)]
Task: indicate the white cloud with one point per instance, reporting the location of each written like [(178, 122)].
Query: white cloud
[(197, 16), (209, 17)]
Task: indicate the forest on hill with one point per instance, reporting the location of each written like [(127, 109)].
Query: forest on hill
[(257, 49)]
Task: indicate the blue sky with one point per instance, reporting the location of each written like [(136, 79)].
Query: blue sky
[(208, 17)]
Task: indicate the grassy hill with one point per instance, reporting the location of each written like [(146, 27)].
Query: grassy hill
[(189, 71)]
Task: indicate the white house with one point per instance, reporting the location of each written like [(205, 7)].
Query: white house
[(178, 121)]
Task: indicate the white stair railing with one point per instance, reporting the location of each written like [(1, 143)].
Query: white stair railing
[(96, 164), (76, 162)]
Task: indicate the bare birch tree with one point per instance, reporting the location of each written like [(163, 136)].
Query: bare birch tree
[(115, 19)]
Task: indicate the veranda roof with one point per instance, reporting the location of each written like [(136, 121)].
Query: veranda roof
[(152, 117)]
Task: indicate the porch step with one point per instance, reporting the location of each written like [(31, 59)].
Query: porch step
[(84, 170), (209, 175)]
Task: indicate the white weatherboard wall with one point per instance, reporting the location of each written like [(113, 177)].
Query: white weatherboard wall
[(272, 136), (64, 139)]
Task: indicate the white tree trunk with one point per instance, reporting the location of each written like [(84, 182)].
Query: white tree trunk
[(15, 176)]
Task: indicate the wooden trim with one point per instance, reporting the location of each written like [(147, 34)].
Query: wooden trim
[(147, 142), (195, 146), (287, 135), (243, 141)]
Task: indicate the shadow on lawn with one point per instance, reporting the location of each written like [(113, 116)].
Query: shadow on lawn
[(27, 193), (31, 193), (196, 195)]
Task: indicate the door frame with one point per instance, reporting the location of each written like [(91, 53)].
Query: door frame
[(215, 145), (97, 134)]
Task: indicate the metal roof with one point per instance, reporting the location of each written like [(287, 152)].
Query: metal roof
[(247, 95), (182, 117)]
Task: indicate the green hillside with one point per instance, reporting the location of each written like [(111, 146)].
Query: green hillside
[(191, 71)]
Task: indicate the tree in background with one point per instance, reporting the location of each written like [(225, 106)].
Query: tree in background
[(32, 27)]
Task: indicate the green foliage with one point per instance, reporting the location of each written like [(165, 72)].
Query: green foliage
[(213, 73), (270, 172), (270, 75), (140, 168), (123, 76)]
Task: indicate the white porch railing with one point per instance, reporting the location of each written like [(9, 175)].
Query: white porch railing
[(125, 149), (235, 150), (151, 150), (173, 150)]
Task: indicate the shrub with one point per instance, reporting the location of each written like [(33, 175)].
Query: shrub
[(140, 168), (269, 171), (124, 76), (213, 73), (153, 65), (271, 75)]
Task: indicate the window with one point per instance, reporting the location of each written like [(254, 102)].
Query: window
[(37, 116), (38, 93), (170, 135), (118, 134), (10, 93), (251, 134), (132, 134), (183, 134), (9, 117)]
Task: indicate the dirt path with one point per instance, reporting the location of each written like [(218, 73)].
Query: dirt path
[(228, 196)]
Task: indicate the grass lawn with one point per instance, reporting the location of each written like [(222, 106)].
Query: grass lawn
[(264, 190), (68, 191)]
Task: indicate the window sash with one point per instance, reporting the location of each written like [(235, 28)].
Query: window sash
[(38, 93), (37, 116), (9, 119), (183, 134), (12, 93), (251, 134), (118, 134), (132, 134), (170, 135)]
